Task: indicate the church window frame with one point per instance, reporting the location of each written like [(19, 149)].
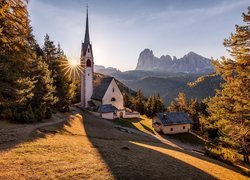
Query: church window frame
[(88, 63), (113, 99)]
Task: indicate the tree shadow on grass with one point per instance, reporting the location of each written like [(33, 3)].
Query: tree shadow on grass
[(128, 156), (147, 128)]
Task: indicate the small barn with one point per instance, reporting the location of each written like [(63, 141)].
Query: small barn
[(172, 122)]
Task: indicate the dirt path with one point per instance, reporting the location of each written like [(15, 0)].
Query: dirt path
[(12, 134)]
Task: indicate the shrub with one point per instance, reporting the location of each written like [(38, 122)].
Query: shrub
[(24, 116), (225, 154), (48, 113), (6, 114)]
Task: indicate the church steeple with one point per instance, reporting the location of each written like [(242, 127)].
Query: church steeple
[(87, 64), (86, 39)]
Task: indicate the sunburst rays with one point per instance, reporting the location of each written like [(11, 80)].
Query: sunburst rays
[(72, 69)]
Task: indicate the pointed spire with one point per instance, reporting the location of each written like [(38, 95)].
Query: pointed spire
[(86, 39)]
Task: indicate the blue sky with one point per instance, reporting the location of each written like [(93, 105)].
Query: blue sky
[(121, 29)]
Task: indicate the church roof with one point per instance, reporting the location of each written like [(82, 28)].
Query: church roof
[(100, 87), (174, 118), (86, 38), (86, 42), (107, 108), (85, 47)]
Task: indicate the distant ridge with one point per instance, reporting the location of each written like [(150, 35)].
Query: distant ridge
[(189, 63)]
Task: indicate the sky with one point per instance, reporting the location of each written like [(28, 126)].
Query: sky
[(121, 29)]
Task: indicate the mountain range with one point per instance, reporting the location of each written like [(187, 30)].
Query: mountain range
[(189, 63), (168, 76)]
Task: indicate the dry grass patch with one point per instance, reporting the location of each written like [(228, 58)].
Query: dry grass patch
[(57, 151), (94, 149)]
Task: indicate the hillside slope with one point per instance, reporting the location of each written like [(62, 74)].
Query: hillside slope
[(170, 86), (92, 148)]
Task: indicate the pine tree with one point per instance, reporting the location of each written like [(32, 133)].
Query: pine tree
[(150, 106), (44, 91), (229, 109), (16, 56), (139, 102), (65, 88), (127, 101), (160, 105), (179, 104), (194, 111), (192, 107)]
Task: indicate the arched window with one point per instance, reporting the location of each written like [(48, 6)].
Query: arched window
[(88, 63), (112, 99)]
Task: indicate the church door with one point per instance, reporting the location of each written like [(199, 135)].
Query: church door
[(121, 115)]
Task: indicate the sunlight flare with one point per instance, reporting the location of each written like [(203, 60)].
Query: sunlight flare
[(72, 69)]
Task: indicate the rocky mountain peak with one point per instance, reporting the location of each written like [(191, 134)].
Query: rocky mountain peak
[(189, 63)]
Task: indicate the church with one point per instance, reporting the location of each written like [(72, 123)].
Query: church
[(103, 98)]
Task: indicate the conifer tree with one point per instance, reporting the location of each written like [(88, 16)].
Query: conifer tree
[(160, 106), (191, 107), (229, 109), (16, 56), (65, 88), (179, 104), (154, 105), (139, 102), (44, 91), (150, 106), (127, 100)]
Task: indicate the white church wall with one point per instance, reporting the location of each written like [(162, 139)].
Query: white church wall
[(87, 79), (82, 90), (88, 84), (113, 92)]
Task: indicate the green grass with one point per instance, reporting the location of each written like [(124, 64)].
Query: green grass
[(142, 124), (187, 138)]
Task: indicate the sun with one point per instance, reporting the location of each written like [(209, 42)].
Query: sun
[(72, 69), (73, 62)]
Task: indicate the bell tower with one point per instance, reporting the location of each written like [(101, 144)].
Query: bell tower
[(87, 63)]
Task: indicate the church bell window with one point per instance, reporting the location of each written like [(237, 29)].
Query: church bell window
[(88, 63)]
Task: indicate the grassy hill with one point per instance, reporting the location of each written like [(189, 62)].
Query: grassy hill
[(91, 148)]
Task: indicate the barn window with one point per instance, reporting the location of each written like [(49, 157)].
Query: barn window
[(113, 89), (112, 99), (183, 127), (88, 63), (171, 129)]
